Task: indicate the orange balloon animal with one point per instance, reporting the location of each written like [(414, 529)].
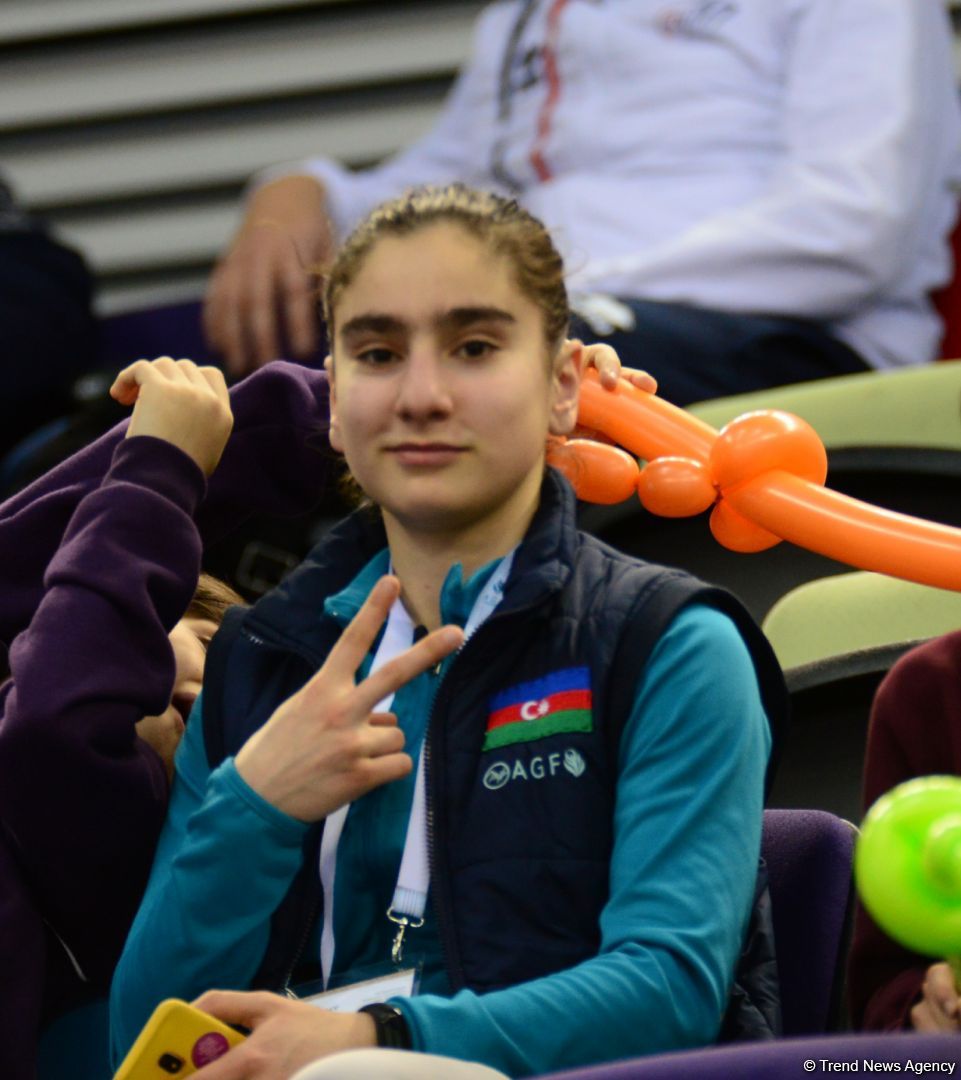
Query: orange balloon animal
[(763, 473)]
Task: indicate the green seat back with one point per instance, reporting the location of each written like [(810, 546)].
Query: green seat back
[(852, 613), (919, 407)]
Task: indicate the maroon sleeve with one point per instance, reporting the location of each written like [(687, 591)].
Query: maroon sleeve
[(915, 730)]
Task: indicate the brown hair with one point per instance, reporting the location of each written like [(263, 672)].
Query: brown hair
[(211, 599), (502, 223)]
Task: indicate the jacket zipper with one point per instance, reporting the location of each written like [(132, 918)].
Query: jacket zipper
[(313, 910), (312, 913)]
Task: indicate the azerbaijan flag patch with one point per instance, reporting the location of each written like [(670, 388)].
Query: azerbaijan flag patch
[(557, 703)]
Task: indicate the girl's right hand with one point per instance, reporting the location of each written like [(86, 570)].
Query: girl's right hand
[(180, 402), (325, 746)]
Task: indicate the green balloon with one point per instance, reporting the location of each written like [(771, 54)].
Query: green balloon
[(907, 864)]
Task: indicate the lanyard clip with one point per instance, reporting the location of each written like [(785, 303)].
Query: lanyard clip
[(402, 922)]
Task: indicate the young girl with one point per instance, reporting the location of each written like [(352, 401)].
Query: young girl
[(585, 807)]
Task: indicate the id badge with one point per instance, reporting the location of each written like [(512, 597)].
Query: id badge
[(356, 995)]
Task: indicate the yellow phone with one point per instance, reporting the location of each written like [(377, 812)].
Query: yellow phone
[(176, 1041)]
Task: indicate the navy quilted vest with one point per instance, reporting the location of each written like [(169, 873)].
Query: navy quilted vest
[(520, 835)]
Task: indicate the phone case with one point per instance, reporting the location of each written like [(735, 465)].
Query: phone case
[(176, 1041)]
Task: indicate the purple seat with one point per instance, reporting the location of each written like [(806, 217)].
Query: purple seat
[(809, 854), (172, 330), (784, 1059)]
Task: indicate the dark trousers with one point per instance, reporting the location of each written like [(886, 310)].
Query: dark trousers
[(696, 354)]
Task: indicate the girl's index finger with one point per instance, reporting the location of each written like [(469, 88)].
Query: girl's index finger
[(427, 653), (362, 630), (126, 386)]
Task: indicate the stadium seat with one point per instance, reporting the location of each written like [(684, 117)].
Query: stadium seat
[(910, 408), (167, 330), (835, 639), (808, 855), (173, 329)]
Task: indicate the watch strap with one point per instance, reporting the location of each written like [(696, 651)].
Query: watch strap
[(391, 1027)]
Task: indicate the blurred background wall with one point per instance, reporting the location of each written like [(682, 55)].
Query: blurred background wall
[(132, 125)]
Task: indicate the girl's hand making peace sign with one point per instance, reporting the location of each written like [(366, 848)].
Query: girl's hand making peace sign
[(325, 746)]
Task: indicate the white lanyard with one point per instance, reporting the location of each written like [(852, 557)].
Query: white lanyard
[(413, 879)]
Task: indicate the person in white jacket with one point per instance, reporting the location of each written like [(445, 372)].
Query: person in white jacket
[(748, 192)]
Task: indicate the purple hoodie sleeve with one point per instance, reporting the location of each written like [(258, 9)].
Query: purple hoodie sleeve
[(82, 798), (98, 561), (277, 461)]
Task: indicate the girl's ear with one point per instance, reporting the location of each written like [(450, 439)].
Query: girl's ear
[(566, 387), (333, 431)]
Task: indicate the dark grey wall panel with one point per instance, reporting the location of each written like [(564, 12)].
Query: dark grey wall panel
[(133, 126)]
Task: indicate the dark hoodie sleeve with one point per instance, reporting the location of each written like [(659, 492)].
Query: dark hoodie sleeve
[(23, 960), (98, 561), (277, 461), (82, 798), (914, 730)]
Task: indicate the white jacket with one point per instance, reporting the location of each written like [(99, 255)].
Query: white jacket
[(794, 157)]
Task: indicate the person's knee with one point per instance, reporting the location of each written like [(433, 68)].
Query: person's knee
[(360, 1065), (394, 1065)]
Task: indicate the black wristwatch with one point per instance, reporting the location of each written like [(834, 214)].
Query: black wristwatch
[(392, 1030)]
